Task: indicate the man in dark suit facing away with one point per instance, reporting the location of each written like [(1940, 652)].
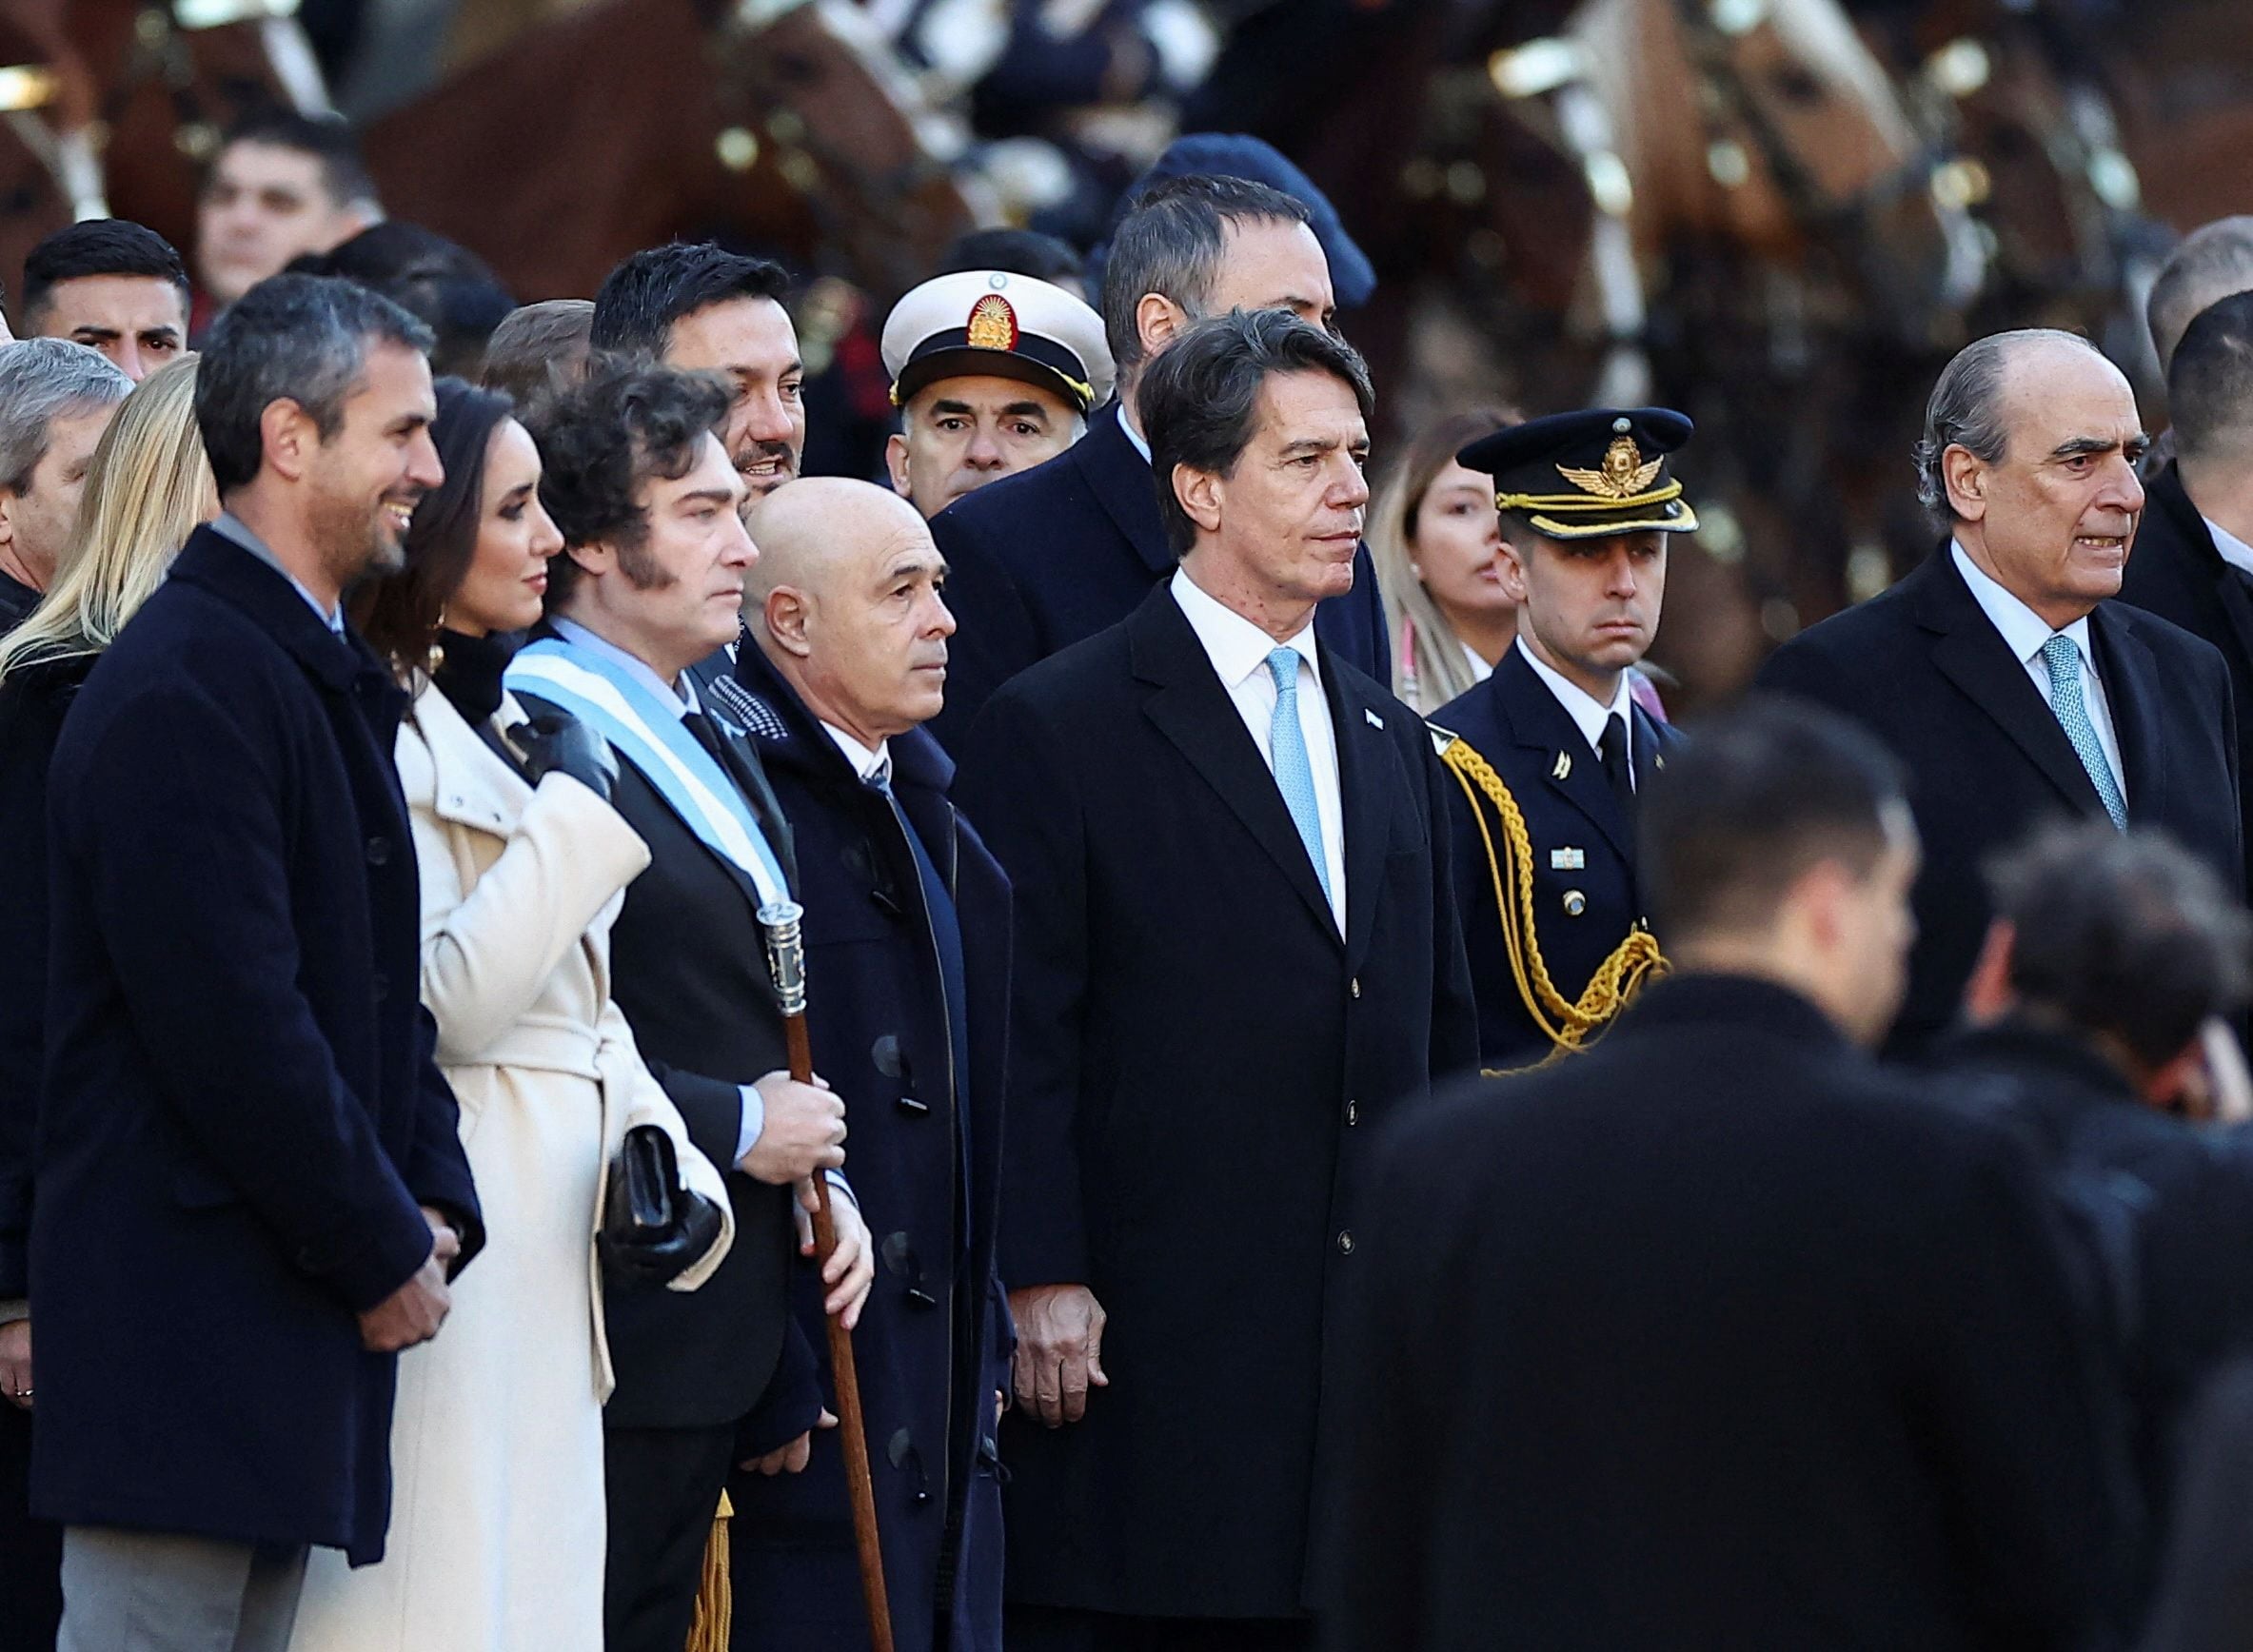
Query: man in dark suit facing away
[(2193, 557), (1039, 561), (2001, 673), (1719, 1335), (1237, 952)]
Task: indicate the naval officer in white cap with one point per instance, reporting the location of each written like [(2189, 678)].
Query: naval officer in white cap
[(993, 373)]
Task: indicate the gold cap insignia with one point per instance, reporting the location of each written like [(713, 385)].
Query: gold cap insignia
[(992, 324), (1623, 474)]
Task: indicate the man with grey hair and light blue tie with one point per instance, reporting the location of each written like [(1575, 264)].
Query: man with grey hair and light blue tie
[(2002, 671), (1237, 952)]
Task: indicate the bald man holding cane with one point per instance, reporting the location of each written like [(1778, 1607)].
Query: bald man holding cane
[(907, 935)]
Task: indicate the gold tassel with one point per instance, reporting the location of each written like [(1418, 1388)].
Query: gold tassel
[(1568, 1027), (715, 1595)]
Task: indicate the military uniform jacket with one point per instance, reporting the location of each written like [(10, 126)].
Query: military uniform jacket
[(934, 1341), (1585, 897), (1198, 1062)]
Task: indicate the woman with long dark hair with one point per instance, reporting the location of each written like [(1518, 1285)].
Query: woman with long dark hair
[(496, 1523)]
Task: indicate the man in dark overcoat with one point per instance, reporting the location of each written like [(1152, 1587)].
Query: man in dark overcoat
[(650, 581), (1237, 952), (249, 1180), (2002, 672), (1042, 559), (1720, 1335), (1552, 744), (2192, 561), (907, 942)]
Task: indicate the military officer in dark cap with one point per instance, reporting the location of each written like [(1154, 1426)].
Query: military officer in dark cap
[(1547, 754)]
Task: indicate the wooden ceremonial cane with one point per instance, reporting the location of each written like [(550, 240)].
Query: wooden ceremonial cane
[(786, 958)]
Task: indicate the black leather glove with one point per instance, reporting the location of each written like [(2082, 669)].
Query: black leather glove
[(555, 743), (654, 1227)]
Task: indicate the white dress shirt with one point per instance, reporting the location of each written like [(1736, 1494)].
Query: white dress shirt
[(2238, 553), (1588, 713), (867, 764), (1480, 670), (2024, 633), (1239, 651), (1140, 441)]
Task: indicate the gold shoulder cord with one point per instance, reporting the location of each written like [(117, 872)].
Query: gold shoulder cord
[(1570, 1027)]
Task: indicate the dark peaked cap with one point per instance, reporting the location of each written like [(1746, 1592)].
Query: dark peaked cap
[(1580, 475)]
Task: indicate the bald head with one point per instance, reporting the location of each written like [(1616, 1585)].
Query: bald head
[(2213, 260), (845, 604)]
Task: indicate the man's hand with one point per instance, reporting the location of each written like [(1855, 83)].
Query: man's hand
[(1059, 1350), (413, 1313), (851, 1268), (790, 1459), (15, 1363), (804, 1131)]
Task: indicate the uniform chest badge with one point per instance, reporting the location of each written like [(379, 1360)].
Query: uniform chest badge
[(1564, 767), (1567, 861)]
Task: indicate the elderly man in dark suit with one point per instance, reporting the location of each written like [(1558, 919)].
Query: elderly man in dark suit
[(250, 1183), (649, 582), (907, 943), (1237, 952), (1718, 1335), (1039, 561), (2002, 673), (2192, 561)]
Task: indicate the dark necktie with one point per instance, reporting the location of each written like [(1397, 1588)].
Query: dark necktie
[(1612, 751), (701, 730)]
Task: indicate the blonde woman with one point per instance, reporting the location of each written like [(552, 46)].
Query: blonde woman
[(147, 489), (1435, 535)]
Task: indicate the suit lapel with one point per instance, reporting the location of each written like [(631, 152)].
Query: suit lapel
[(1193, 710), (1568, 765), (2131, 691), (1971, 653), (2231, 588), (1122, 485), (1368, 778)]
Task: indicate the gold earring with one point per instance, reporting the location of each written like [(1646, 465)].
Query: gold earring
[(436, 657)]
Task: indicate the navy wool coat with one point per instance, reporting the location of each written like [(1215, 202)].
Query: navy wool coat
[(1045, 559), (242, 1112), (925, 1161)]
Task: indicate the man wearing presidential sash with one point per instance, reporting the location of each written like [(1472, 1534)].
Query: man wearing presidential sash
[(1547, 756), (650, 582)]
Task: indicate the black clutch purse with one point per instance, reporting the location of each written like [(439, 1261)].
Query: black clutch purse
[(654, 1227)]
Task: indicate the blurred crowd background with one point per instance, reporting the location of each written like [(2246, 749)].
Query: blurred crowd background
[(1781, 216)]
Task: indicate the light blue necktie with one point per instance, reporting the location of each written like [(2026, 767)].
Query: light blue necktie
[(1287, 744), (2062, 655)]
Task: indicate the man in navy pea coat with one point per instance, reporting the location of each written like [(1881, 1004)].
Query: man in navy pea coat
[(249, 1180), (907, 940)]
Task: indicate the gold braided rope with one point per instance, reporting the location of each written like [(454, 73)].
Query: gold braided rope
[(1588, 502), (1568, 1027)]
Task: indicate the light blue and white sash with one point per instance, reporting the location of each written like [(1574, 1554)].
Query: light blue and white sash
[(648, 734)]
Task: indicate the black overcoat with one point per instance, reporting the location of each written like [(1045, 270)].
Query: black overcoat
[(933, 1344), (2175, 572), (242, 1112), (1585, 894), (688, 966), (1716, 1337), (1042, 559), (1197, 1062), (1924, 669)]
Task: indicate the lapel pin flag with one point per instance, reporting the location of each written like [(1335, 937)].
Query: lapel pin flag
[(1374, 721)]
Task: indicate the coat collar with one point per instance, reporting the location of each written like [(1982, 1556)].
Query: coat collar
[(792, 737), (1194, 711), (1700, 999), (1970, 652), (2172, 501), (2065, 1062), (1530, 717), (1121, 481), (471, 787), (215, 563)]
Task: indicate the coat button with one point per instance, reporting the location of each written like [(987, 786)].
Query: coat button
[(1576, 903), (379, 851), (886, 1056), (1355, 987), (1353, 1112), (1345, 1243)]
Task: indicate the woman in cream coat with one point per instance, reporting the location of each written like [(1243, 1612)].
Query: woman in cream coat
[(497, 1525)]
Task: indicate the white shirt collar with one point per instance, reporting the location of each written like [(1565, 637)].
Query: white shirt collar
[(1140, 441), (2024, 631), (867, 764), (1235, 646), (2236, 552), (1588, 713), (633, 665)]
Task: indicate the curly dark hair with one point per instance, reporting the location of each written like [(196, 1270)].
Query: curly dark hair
[(602, 444)]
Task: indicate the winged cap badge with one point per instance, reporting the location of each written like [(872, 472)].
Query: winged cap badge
[(1622, 475)]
